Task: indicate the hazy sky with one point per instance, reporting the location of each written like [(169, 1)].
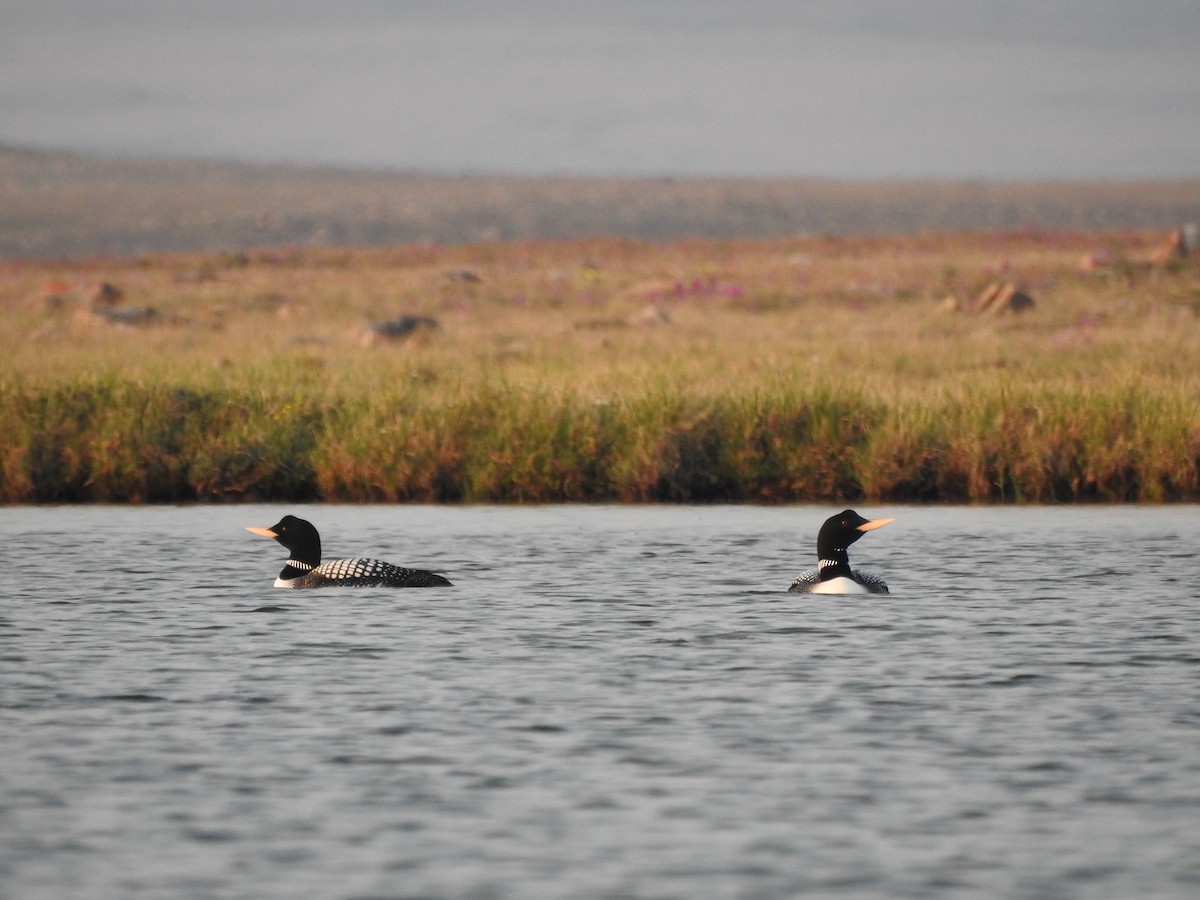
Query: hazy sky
[(831, 88)]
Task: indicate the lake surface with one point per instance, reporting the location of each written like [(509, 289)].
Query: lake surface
[(762, 88), (611, 702)]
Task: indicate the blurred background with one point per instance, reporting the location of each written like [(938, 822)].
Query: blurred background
[(946, 89)]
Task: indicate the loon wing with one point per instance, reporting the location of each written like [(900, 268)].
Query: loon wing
[(806, 581), (374, 573), (872, 582)]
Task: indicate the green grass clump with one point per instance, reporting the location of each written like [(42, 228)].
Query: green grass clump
[(115, 441), (122, 442)]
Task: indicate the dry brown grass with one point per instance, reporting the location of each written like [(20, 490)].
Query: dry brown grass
[(863, 311)]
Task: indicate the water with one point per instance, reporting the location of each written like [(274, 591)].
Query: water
[(761, 88), (612, 702)]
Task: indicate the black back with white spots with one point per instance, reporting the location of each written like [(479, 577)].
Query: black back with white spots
[(806, 581), (364, 573)]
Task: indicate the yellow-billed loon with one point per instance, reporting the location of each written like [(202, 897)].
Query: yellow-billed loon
[(304, 568), (833, 574)]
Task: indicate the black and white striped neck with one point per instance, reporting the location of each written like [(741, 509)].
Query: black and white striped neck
[(294, 568), (834, 564)]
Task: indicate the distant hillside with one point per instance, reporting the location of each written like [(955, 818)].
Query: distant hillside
[(59, 204)]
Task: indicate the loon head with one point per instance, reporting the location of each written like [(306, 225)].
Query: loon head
[(298, 536), (835, 536)]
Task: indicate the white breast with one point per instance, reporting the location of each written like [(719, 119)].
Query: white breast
[(838, 586)]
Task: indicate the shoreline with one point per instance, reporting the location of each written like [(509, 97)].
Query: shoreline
[(819, 370), (119, 442), (56, 205)]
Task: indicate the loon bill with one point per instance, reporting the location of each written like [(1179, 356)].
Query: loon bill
[(304, 568), (833, 574)]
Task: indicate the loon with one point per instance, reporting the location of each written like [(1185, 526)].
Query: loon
[(833, 574), (304, 568)]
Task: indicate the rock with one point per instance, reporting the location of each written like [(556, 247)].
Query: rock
[(396, 330), (1178, 245), (127, 317), (133, 316), (103, 295), (1001, 297), (102, 306), (1171, 249), (1016, 302)]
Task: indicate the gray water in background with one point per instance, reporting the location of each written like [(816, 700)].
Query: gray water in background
[(612, 702), (761, 88)]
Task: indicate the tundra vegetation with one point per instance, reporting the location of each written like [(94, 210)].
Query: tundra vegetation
[(807, 368)]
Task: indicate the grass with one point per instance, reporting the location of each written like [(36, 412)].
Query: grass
[(801, 369)]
